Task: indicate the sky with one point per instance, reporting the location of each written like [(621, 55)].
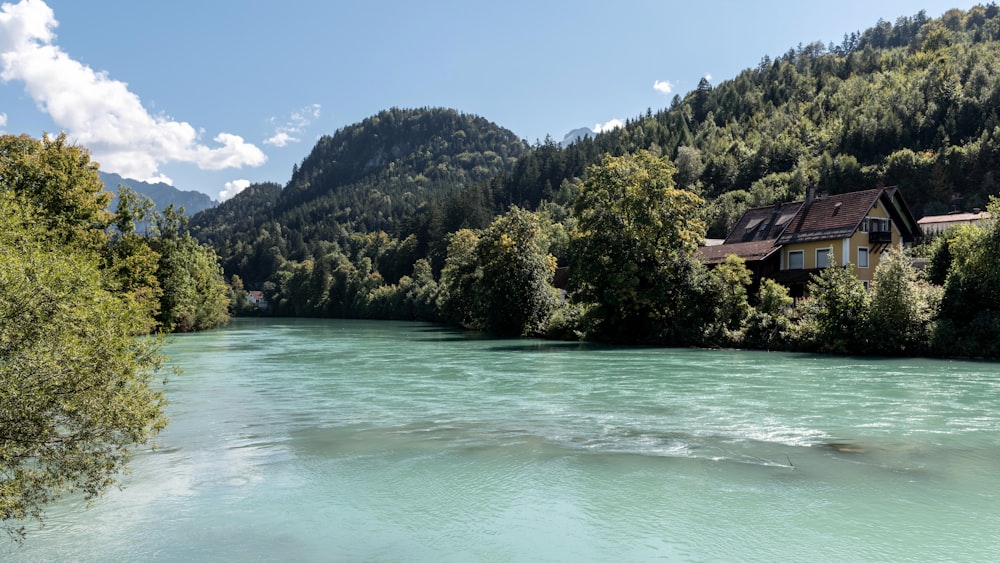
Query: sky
[(212, 95)]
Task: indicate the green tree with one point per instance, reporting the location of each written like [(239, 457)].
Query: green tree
[(835, 315), (902, 307), (769, 324), (730, 281), (59, 182), (969, 320), (129, 260), (195, 295), (459, 279), (76, 394), (515, 295), (633, 251)]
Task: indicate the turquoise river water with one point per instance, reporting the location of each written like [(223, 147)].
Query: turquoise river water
[(326, 440)]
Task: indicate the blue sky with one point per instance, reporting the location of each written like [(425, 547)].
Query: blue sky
[(213, 94)]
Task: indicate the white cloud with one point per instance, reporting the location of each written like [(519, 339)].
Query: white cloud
[(281, 139), (613, 124), (161, 179), (101, 113), (663, 87), (290, 129), (708, 77), (233, 188)]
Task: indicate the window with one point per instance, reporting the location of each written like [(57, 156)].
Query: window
[(865, 284), (863, 257), (795, 260), (874, 225), (823, 257)]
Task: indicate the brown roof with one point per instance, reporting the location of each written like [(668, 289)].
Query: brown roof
[(749, 251), (832, 217), (763, 223)]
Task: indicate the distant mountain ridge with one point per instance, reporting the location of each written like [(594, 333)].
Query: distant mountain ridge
[(575, 135), (161, 194)]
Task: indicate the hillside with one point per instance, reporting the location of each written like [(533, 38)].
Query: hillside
[(161, 194), (911, 103), (395, 172)]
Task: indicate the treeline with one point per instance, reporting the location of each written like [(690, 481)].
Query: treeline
[(634, 276)]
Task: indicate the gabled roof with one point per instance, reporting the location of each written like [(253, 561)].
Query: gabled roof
[(838, 216)]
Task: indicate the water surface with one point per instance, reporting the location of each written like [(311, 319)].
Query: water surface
[(325, 440)]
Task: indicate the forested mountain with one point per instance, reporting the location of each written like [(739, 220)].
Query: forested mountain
[(911, 103), (161, 194), (401, 172)]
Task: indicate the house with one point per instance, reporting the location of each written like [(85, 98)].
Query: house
[(935, 224), (257, 299), (754, 239), (791, 242)]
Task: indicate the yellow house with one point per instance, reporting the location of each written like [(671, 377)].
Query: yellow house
[(804, 237)]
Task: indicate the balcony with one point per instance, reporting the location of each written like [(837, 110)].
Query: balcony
[(880, 237)]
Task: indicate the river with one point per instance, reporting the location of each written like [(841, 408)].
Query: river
[(329, 440)]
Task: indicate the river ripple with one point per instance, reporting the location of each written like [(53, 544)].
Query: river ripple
[(352, 440)]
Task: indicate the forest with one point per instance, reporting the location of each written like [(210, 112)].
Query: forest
[(432, 214)]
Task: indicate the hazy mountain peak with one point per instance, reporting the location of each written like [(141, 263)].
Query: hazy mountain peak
[(161, 194), (575, 135)]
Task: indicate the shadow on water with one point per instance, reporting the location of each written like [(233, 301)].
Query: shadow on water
[(450, 338), (544, 346)]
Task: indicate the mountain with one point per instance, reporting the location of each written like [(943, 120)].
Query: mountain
[(161, 194), (575, 135), (402, 171)]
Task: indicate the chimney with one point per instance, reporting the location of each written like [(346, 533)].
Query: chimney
[(810, 196)]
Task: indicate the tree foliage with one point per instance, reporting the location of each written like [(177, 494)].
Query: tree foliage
[(835, 316), (731, 305), (515, 295), (58, 182), (902, 307), (970, 306), (633, 248), (194, 292), (76, 394)]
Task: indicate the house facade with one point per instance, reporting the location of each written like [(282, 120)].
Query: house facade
[(935, 224), (792, 242)]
